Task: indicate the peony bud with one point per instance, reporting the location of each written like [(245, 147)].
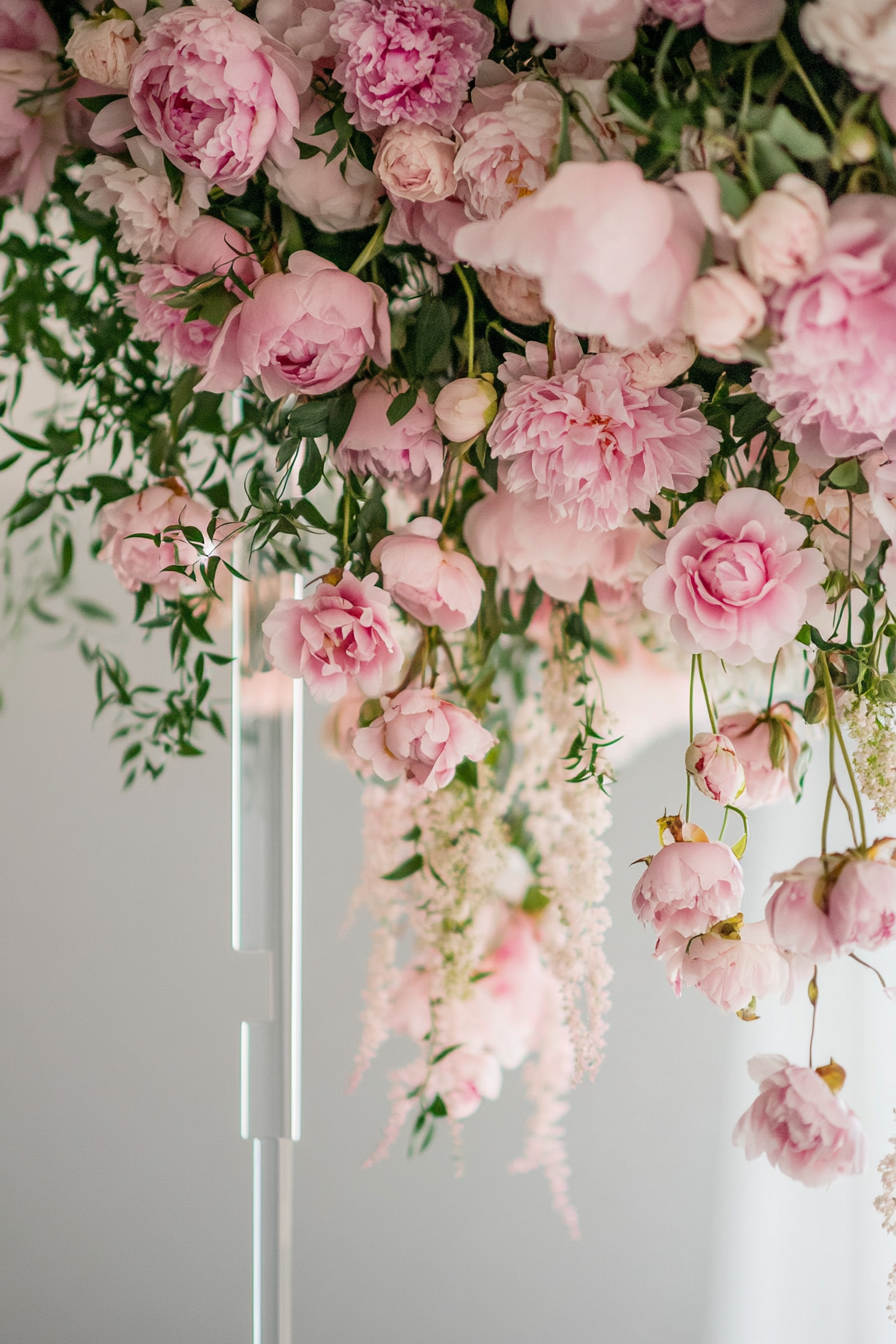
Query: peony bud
[(416, 163), (102, 49), (781, 234), (465, 408), (712, 764), (516, 297), (721, 310)]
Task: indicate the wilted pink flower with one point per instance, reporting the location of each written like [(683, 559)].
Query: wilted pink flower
[(606, 27), (723, 309), (137, 559), (212, 245), (780, 236), (150, 221), (589, 441), (416, 163), (520, 538), (689, 886), (862, 900), (339, 636), (799, 1124), (614, 253), (751, 736), (33, 135), (179, 342), (735, 580), (845, 512), (308, 330), (434, 227), (712, 764), (797, 910), (26, 26), (407, 60), (423, 738), (465, 407), (410, 452), (436, 586), (514, 296), (725, 20), (216, 93), (506, 148), (730, 966), (833, 371)]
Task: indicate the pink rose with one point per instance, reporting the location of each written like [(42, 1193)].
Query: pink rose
[(216, 93), (407, 60), (423, 738), (589, 441), (712, 764), (180, 342), (410, 452), (833, 370), (781, 235), (767, 780), (614, 253), (437, 587), (339, 636), (606, 27), (433, 227), (26, 26), (138, 560), (802, 494), (514, 296), (735, 580), (729, 967), (416, 163), (797, 910), (212, 245), (306, 331), (723, 309), (689, 885), (520, 538), (800, 1125), (465, 407), (726, 20), (862, 901), (31, 136)]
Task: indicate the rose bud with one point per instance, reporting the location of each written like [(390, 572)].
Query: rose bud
[(465, 408), (102, 49), (722, 309), (781, 234), (862, 900), (712, 764), (437, 587)]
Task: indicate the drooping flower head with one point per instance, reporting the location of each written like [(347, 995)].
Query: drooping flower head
[(435, 586), (769, 751), (712, 764), (690, 884), (422, 737), (862, 900), (136, 558), (731, 964)]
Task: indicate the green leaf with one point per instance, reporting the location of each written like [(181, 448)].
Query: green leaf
[(241, 219), (846, 475), (795, 137), (401, 405), (312, 468), (413, 835), (468, 773), (27, 509), (438, 1108), (735, 200), (770, 160), (406, 869), (739, 847), (535, 901), (443, 1054), (311, 420), (342, 408), (110, 487), (91, 611), (9, 461), (433, 333)]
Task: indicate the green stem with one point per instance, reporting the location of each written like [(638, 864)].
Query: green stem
[(709, 709), (829, 689), (747, 98), (687, 805), (790, 57), (375, 244), (771, 684), (659, 82), (832, 760), (470, 327)]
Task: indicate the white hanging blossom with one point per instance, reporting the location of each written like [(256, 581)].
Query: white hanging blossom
[(886, 1207), (874, 756)]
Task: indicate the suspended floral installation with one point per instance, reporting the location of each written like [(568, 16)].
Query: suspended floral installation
[(554, 343)]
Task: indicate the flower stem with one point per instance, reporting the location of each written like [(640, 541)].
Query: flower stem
[(375, 244), (687, 805), (790, 57), (834, 727), (659, 83), (832, 761), (813, 999), (469, 328), (869, 967), (771, 684), (709, 709)]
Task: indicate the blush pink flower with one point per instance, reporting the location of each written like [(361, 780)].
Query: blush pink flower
[(604, 27), (725, 20), (689, 886), (862, 901), (614, 253), (432, 226), (800, 1125), (751, 736), (730, 966), (31, 136), (407, 60), (660, 361), (180, 342), (416, 163), (734, 579), (338, 637), (723, 309), (802, 494), (307, 331), (797, 910), (781, 235), (589, 441), (137, 559), (520, 538), (212, 245), (464, 1079), (514, 296), (26, 26), (216, 92), (506, 149), (436, 586), (465, 408), (423, 738), (410, 452), (150, 221), (712, 764), (833, 370), (304, 25)]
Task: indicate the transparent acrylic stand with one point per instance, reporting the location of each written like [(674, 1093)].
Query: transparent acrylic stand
[(267, 922)]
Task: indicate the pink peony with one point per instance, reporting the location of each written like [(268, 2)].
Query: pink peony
[(858, 34), (465, 407), (216, 93), (422, 737), (436, 586), (33, 135), (336, 196), (306, 331), (180, 342), (102, 50), (410, 452), (730, 968), (339, 636), (520, 538), (660, 361), (723, 309), (514, 296), (726, 20), (833, 371), (802, 494), (689, 886), (212, 245), (26, 26), (781, 235), (432, 226), (506, 148), (407, 60), (416, 163), (589, 441), (712, 764), (735, 580), (800, 1125), (751, 737), (797, 910), (604, 27), (137, 559), (304, 26), (150, 221), (614, 253), (862, 901)]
